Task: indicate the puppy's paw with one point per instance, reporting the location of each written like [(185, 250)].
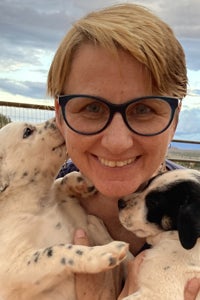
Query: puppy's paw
[(78, 185), (102, 258)]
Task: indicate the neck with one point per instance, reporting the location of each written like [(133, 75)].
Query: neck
[(107, 210)]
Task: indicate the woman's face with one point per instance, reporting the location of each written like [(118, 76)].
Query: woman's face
[(116, 160)]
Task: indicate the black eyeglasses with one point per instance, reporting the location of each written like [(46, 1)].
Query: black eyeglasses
[(147, 116)]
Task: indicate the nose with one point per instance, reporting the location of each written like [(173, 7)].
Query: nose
[(121, 204), (117, 137)]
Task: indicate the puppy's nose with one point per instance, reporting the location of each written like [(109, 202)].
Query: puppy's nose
[(121, 204)]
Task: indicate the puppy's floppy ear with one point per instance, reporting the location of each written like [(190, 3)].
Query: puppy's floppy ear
[(189, 217)]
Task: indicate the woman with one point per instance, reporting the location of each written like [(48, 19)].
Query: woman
[(118, 79)]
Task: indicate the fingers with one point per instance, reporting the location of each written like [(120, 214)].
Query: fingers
[(191, 290), (134, 265), (90, 286), (131, 285), (80, 237)]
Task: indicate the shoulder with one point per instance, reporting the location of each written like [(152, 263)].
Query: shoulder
[(172, 165), (67, 167)]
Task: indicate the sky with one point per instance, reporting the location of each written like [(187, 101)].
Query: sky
[(30, 32)]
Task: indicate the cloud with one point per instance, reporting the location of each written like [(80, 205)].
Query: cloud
[(191, 48), (25, 88), (196, 91), (189, 124), (26, 26), (30, 32)]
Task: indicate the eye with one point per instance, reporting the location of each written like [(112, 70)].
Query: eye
[(27, 132), (94, 107), (142, 109)]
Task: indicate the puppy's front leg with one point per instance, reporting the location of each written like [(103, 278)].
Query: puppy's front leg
[(73, 184), (51, 262)]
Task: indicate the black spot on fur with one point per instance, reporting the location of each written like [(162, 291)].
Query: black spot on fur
[(79, 252), (36, 256), (58, 225), (53, 126), (50, 125), (79, 179), (119, 246), (70, 262), (70, 246), (112, 261), (25, 174), (63, 261), (46, 125), (48, 251), (36, 172)]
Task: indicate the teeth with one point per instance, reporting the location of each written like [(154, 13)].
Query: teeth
[(112, 163)]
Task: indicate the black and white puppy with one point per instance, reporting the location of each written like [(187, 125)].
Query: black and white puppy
[(167, 213)]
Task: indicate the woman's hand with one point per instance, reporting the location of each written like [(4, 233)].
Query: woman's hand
[(192, 289), (87, 284), (91, 286), (131, 286), (80, 238), (82, 281)]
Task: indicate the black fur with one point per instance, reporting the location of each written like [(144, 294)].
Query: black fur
[(180, 202)]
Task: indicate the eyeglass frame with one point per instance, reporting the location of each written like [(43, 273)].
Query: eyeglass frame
[(118, 108)]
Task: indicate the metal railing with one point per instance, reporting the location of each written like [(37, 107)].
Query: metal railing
[(29, 112), (195, 153)]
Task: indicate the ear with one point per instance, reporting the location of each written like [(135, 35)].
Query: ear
[(189, 218), (58, 114), (187, 226), (56, 105)]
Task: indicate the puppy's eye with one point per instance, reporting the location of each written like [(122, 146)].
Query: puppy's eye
[(27, 132)]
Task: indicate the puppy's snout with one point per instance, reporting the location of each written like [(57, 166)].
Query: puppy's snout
[(121, 204)]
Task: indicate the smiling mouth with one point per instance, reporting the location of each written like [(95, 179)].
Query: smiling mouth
[(119, 163)]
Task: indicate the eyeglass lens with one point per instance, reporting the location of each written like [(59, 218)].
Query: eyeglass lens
[(146, 116)]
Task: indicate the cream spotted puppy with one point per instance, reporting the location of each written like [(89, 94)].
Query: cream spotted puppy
[(167, 213), (38, 217)]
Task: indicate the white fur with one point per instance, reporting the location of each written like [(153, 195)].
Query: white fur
[(38, 217), (167, 266)]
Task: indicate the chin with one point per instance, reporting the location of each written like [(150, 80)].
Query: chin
[(115, 189)]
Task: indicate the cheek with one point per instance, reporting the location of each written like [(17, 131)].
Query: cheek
[(62, 127), (157, 146), (76, 144)]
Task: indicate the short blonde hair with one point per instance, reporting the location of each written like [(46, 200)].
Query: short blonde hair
[(134, 29)]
